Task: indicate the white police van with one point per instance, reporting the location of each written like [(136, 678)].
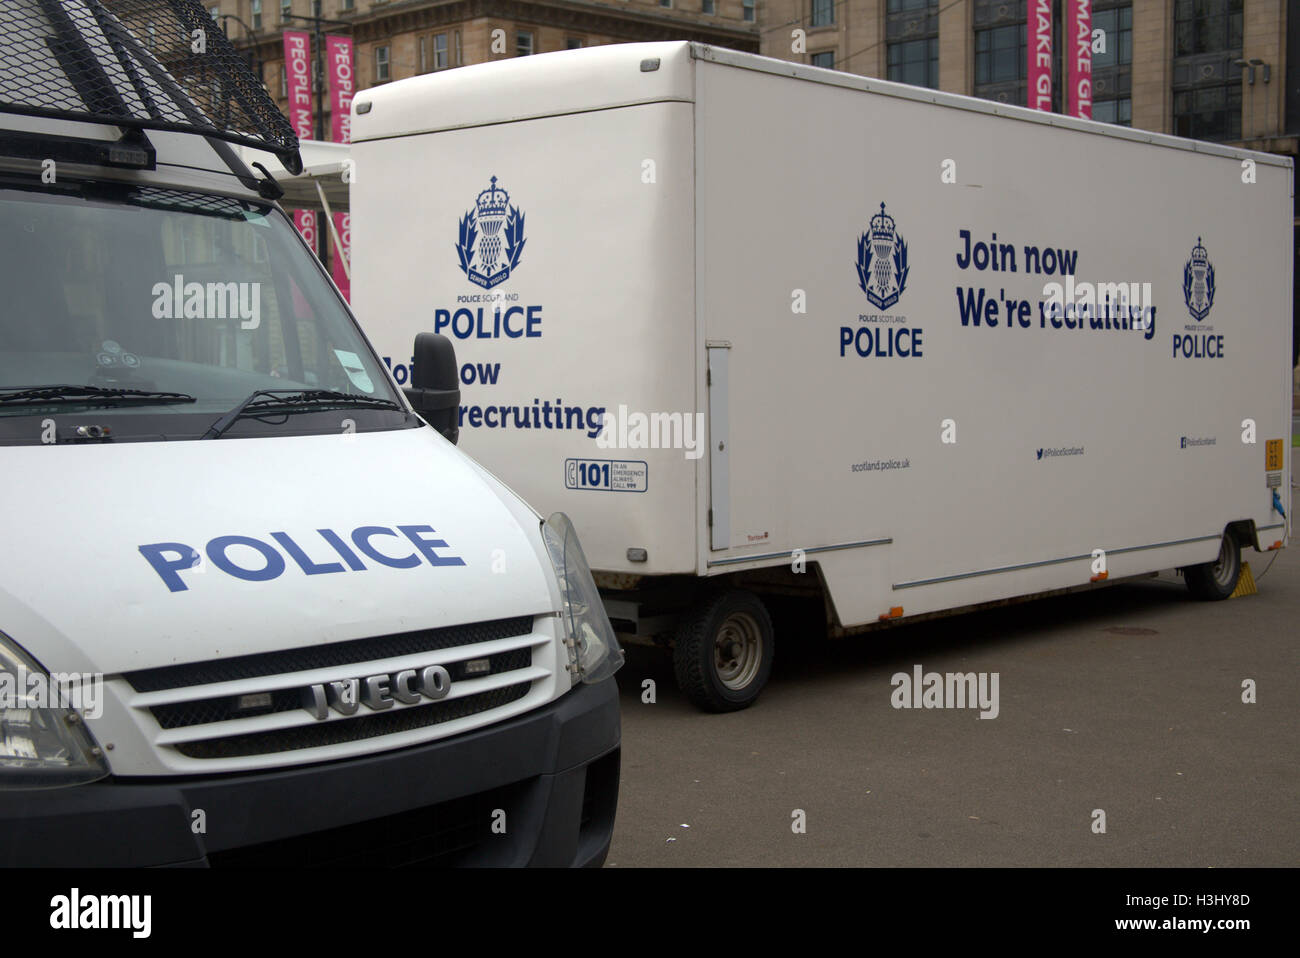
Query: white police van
[(230, 632)]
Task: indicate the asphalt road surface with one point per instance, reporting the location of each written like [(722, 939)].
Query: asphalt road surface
[(1127, 700)]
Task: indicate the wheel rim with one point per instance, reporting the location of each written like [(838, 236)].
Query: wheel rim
[(737, 651), (1224, 567)]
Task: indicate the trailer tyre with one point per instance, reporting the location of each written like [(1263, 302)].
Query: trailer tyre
[(723, 651), (1212, 581)]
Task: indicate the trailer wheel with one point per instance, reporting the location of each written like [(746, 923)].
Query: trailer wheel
[(723, 651), (1212, 581)]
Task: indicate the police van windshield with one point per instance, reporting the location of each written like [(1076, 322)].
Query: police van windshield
[(156, 312)]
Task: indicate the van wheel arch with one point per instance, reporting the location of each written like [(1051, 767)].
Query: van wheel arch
[(1244, 531)]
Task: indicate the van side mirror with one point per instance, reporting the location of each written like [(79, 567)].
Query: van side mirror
[(435, 384)]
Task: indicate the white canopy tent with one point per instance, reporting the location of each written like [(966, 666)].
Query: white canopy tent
[(320, 186)]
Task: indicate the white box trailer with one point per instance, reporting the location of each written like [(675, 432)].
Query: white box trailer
[(943, 352)]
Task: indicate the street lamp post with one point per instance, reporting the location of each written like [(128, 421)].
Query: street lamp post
[(1247, 75), (1266, 70)]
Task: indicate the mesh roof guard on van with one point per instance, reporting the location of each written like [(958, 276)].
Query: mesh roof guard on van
[(148, 64)]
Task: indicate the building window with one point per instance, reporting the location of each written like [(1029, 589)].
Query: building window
[(456, 36), (214, 13), (706, 6), (284, 81), (381, 64), (257, 14), (524, 43), (1118, 26), (1209, 112), (912, 37), (440, 51), (424, 55), (1000, 54), (915, 62), (825, 59), (1206, 82), (347, 5), (823, 13), (1112, 71), (286, 8), (315, 8), (574, 43), (748, 6), (1206, 26), (1118, 111), (1001, 67), (665, 3)]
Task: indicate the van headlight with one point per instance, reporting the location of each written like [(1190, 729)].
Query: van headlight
[(593, 651), (44, 742)]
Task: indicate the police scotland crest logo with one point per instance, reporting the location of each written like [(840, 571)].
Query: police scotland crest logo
[(1198, 282), (1198, 340), (882, 261), (882, 275), (491, 238)]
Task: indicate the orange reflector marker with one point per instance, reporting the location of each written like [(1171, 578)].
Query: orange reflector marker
[(1275, 545), (1100, 576), (895, 612)]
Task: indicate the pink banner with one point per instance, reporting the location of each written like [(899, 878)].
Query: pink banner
[(338, 56), (1078, 68), (342, 223), (306, 221), (1040, 55), (297, 71)]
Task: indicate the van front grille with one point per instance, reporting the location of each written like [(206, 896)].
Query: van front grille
[(364, 726), (225, 708), (294, 700)]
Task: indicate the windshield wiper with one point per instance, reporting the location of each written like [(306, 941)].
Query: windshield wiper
[(72, 393), (285, 401)]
